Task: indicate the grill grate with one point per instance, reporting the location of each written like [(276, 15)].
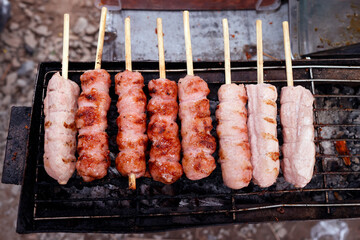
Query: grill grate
[(107, 205)]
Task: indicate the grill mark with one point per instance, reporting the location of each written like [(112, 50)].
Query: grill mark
[(273, 155), (92, 141), (90, 97), (131, 121), (89, 116), (157, 127), (269, 102), (68, 160), (246, 177), (198, 109), (203, 125), (197, 166), (139, 121), (135, 95), (206, 141), (270, 120), (272, 88), (208, 144), (269, 136), (221, 154), (245, 147), (48, 124), (119, 81), (243, 98), (248, 168), (141, 99), (71, 126), (239, 129), (165, 146), (69, 144), (161, 107), (124, 143), (242, 114), (152, 90)]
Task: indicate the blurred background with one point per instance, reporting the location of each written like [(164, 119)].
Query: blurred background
[(31, 32)]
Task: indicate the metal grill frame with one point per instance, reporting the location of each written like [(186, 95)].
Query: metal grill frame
[(157, 219)]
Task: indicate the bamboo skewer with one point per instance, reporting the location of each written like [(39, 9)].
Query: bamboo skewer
[(189, 60), (226, 51), (65, 56), (161, 47), (128, 66), (132, 181), (259, 51), (289, 73), (100, 44)]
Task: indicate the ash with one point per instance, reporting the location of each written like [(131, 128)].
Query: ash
[(337, 112)]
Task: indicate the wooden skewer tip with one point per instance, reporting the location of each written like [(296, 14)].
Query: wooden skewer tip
[(132, 181), (226, 51), (128, 63), (288, 60), (259, 51), (189, 60), (65, 56), (161, 47), (100, 44)]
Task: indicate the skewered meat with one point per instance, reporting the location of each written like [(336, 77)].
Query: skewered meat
[(296, 116), (263, 134), (93, 146), (60, 106), (164, 132), (198, 144), (234, 150), (131, 138)]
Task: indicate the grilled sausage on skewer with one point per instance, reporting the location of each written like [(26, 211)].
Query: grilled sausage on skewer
[(296, 114), (234, 150), (198, 144), (93, 147), (131, 138), (263, 134), (163, 132), (60, 132)]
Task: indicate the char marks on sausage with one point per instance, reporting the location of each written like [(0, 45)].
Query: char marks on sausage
[(163, 132), (131, 137), (60, 106), (234, 153), (91, 120), (198, 144), (263, 134)]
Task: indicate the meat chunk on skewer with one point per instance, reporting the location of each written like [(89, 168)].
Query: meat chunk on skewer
[(198, 144), (91, 120), (60, 132), (263, 134), (296, 114), (131, 138), (163, 132), (234, 150)]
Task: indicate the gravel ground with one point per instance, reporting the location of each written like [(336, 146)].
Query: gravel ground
[(33, 35)]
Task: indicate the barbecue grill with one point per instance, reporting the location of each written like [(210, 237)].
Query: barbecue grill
[(107, 205)]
